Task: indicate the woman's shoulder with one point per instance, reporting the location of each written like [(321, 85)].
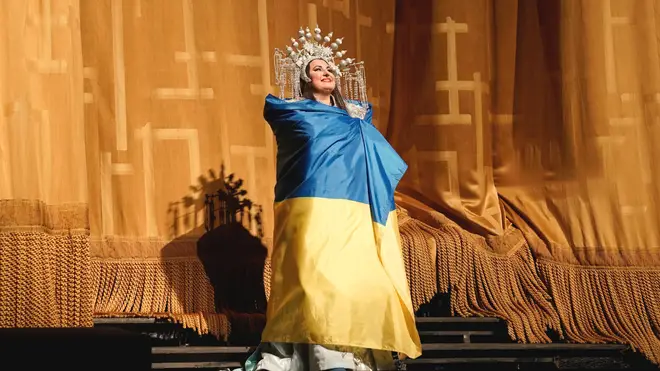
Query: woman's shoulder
[(270, 98), (279, 103), (280, 110), (284, 103)]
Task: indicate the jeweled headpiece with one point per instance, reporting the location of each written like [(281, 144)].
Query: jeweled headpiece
[(290, 66)]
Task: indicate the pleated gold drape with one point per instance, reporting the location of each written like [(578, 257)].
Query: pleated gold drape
[(530, 125), (44, 228)]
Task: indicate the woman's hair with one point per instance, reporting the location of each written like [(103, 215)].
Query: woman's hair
[(308, 90)]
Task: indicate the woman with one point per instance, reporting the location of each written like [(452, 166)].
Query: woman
[(339, 296)]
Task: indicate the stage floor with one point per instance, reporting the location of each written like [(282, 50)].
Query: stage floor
[(449, 343)]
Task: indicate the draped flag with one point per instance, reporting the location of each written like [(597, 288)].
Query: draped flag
[(338, 274)]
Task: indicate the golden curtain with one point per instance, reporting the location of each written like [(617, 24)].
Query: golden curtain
[(44, 229), (530, 124), (174, 94), (528, 127)]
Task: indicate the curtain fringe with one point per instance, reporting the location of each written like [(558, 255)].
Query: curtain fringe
[(607, 304), (44, 279), (482, 283), (178, 289), (582, 304)]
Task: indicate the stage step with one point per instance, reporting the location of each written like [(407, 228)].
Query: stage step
[(195, 365), (461, 330), (162, 331), (447, 342), (199, 357), (435, 356)]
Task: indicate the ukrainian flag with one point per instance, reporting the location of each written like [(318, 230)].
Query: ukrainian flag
[(338, 276)]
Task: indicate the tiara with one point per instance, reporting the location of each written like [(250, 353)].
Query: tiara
[(290, 66)]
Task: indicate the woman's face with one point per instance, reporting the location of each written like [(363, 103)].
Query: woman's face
[(323, 81)]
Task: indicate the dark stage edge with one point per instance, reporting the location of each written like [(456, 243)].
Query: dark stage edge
[(98, 348), (449, 343)]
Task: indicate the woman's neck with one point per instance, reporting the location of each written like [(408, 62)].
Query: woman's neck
[(324, 98)]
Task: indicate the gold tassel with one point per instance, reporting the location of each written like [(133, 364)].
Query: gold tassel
[(583, 304), (481, 282), (607, 304), (176, 288), (421, 274), (44, 280)]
